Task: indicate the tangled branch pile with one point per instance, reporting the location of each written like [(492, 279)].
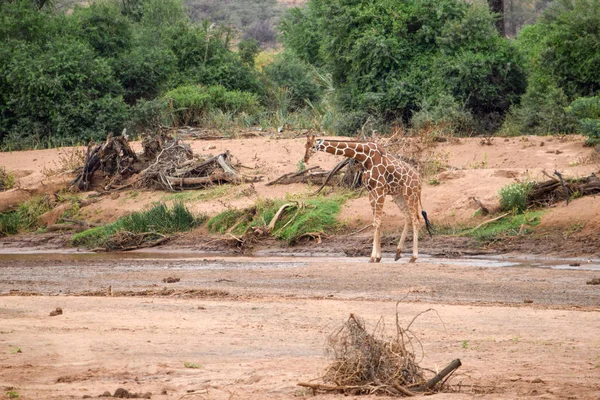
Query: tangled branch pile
[(544, 194), (114, 157), (166, 163), (366, 363)]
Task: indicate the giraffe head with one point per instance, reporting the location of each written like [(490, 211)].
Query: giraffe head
[(312, 146)]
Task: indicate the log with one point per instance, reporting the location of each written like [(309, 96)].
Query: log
[(440, 375), (202, 180)]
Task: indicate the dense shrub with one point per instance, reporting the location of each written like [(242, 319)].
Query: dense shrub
[(103, 26), (388, 57), (248, 49), (562, 51), (290, 72), (144, 72), (190, 104), (57, 93), (587, 112)]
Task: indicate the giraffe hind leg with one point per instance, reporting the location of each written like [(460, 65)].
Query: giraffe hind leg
[(415, 226)]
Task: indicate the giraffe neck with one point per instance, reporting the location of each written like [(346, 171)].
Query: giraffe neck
[(361, 152)]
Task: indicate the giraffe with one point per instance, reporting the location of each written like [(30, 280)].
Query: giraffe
[(384, 175)]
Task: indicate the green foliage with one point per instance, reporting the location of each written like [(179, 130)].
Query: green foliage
[(299, 218), (443, 111), (224, 220), (103, 26), (389, 58), (570, 48), (144, 72), (563, 53), (289, 72), (25, 217), (158, 219), (56, 93), (511, 225), (513, 197), (542, 112), (192, 103), (248, 49), (7, 179), (587, 111), (10, 223)]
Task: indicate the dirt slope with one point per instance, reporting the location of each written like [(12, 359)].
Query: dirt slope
[(473, 169)]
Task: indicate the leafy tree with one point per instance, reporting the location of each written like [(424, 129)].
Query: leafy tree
[(248, 49), (290, 72), (387, 57), (104, 27)]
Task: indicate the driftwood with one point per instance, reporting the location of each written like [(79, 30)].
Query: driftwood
[(351, 177), (189, 173), (488, 221), (543, 194), (313, 175), (114, 157)]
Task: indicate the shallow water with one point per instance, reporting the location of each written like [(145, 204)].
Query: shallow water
[(287, 260)]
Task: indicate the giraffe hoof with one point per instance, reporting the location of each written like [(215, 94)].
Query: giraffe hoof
[(375, 259), (412, 259), (398, 256)]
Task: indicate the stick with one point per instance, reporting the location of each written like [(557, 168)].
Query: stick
[(549, 176), (440, 375), (488, 221)]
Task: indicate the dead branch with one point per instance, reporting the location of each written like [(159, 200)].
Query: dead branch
[(488, 221), (484, 209), (454, 365)]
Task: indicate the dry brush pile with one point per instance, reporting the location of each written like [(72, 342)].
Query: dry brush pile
[(166, 163), (367, 363)]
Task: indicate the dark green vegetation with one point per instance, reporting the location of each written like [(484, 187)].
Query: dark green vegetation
[(394, 61), (301, 218), (347, 66), (160, 219), (25, 217), (562, 52)]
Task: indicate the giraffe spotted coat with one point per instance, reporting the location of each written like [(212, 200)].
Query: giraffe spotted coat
[(384, 175)]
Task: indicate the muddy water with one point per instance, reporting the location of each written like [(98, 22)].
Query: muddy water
[(289, 260)]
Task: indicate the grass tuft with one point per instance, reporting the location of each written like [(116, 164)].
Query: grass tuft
[(159, 219), (513, 197), (317, 215), (7, 179)]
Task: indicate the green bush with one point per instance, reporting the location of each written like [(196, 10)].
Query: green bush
[(58, 93), (587, 111), (190, 104), (144, 72), (158, 219), (387, 58), (290, 72), (300, 218), (102, 25), (542, 112), (248, 49), (513, 197)]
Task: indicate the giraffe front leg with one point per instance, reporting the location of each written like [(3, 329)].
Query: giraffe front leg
[(377, 206)]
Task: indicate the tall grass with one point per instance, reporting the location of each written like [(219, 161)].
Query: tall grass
[(159, 219), (25, 217), (317, 215)]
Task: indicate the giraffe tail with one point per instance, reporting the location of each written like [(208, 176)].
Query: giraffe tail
[(427, 223)]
